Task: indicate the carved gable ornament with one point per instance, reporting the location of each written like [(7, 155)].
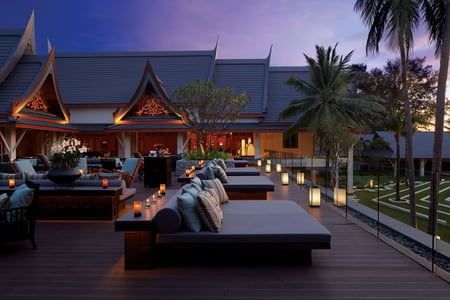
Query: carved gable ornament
[(37, 103), (150, 105)]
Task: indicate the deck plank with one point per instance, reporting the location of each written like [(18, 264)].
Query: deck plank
[(84, 260)]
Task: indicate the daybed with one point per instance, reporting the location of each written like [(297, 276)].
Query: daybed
[(256, 228), (240, 187)]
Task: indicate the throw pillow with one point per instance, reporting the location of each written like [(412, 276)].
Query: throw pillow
[(191, 189), (109, 176), (219, 173), (10, 175), (37, 176), (221, 163), (209, 211), (209, 173), (4, 200), (22, 196), (88, 176), (187, 205), (197, 181), (218, 187)]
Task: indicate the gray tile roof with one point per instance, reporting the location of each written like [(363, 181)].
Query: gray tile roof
[(247, 75), (20, 80), (9, 40), (112, 78), (280, 94), (422, 145)]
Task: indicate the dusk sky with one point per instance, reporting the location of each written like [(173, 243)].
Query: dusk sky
[(244, 28)]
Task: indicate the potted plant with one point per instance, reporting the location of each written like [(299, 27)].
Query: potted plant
[(64, 159)]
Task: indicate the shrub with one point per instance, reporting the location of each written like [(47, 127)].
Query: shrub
[(209, 155)]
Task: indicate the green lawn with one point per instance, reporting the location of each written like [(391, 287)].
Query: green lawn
[(400, 210)]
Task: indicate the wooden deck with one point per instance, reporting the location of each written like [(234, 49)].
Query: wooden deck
[(84, 260)]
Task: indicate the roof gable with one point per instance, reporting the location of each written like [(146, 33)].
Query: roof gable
[(150, 101), (42, 99), (13, 44)]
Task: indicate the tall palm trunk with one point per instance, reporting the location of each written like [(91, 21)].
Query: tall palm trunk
[(408, 126), (397, 166), (439, 125)]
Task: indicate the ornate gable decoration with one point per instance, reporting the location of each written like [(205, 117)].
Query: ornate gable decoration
[(37, 103), (150, 105)]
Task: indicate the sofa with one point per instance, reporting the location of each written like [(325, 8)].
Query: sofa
[(82, 199), (247, 229)]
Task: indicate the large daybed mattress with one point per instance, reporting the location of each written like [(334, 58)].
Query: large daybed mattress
[(247, 171)]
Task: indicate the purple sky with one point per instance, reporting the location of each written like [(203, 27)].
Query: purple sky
[(246, 28)]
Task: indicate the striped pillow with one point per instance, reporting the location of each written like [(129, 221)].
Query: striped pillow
[(210, 212), (218, 187), (219, 172)]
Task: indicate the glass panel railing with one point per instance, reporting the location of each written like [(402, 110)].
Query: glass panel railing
[(376, 205)]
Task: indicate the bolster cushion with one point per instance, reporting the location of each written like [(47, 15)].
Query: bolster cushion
[(168, 219)]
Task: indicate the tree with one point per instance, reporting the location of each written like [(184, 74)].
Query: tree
[(208, 110), (385, 83), (395, 19), (328, 100), (437, 17)]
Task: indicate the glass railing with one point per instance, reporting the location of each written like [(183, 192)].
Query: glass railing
[(374, 206)]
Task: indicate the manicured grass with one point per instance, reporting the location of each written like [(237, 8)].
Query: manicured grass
[(400, 210)]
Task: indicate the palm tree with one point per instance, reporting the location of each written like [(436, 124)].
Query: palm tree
[(437, 17), (328, 98), (395, 19)]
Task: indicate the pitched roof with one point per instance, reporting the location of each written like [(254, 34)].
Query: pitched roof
[(13, 44), (247, 75), (112, 78), (422, 145), (280, 94)]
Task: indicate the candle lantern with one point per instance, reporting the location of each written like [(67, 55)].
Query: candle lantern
[(371, 183), (147, 202), (259, 163), (193, 168), (314, 197), (300, 178), (268, 168), (162, 189), (269, 162), (284, 178), (12, 183), (187, 172), (105, 183), (137, 208), (340, 197), (278, 167)]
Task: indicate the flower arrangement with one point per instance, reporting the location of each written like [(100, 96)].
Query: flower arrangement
[(66, 153)]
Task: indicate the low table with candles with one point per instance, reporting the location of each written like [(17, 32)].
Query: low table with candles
[(137, 227)]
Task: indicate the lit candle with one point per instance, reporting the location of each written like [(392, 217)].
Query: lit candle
[(162, 189), (81, 172), (154, 198), (12, 182), (137, 208), (188, 171), (105, 183), (193, 168), (259, 163), (147, 202)]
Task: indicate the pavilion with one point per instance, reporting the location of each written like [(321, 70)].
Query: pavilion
[(117, 102)]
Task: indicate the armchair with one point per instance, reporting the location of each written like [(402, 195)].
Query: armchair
[(18, 219), (128, 171)]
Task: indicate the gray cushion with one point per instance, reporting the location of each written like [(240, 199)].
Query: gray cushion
[(260, 221), (21, 197), (187, 205), (168, 219)]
